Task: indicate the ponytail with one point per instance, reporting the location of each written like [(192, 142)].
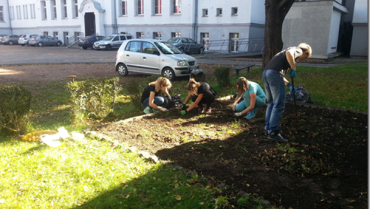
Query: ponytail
[(192, 86)]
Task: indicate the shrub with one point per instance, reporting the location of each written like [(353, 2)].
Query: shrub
[(15, 102), (93, 98), (135, 88), (223, 76)]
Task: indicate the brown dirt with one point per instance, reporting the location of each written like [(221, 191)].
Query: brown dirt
[(324, 165)]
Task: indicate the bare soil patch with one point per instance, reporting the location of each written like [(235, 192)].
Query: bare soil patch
[(324, 165)]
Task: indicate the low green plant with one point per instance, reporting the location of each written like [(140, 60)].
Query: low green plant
[(223, 76), (15, 102), (222, 202), (135, 88), (94, 98)]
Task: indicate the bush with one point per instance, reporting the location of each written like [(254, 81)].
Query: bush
[(93, 98), (135, 88), (223, 76), (15, 102)]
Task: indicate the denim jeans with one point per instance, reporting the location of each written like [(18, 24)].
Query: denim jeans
[(260, 102), (158, 100), (275, 96)]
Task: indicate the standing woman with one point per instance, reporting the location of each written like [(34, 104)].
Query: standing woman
[(150, 98), (274, 82), (200, 93), (253, 96)]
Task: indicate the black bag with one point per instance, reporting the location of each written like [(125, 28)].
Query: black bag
[(175, 101), (301, 95)]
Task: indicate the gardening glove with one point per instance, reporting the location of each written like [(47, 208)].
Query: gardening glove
[(184, 112), (293, 74), (234, 107), (291, 88), (184, 107), (163, 109), (238, 114)]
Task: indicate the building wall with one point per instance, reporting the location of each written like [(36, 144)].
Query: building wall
[(359, 45), (5, 25)]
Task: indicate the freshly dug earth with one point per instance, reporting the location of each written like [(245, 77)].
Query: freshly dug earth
[(324, 165)]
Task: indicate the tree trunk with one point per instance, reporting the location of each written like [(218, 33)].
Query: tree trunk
[(275, 11)]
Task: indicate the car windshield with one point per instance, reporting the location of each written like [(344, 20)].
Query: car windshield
[(173, 40), (167, 48), (108, 38)]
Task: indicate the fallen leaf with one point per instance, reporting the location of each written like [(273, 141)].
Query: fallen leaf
[(127, 196), (178, 197)]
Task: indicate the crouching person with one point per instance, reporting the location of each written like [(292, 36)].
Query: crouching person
[(150, 98), (253, 96), (201, 93)]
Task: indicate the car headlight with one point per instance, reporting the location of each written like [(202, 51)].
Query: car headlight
[(182, 63)]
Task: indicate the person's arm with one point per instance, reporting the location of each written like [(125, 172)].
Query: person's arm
[(168, 95), (237, 99), (290, 58), (151, 99), (200, 96), (285, 81), (252, 104)]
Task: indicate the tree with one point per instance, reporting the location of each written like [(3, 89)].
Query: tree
[(275, 12)]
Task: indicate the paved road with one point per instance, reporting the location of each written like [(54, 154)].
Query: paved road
[(19, 55)]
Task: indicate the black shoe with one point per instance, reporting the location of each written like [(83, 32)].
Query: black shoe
[(277, 136)]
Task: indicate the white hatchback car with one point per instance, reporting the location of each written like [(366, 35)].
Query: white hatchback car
[(153, 57)]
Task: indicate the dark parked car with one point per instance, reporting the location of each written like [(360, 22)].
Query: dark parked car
[(44, 40), (88, 41), (186, 45), (10, 39)]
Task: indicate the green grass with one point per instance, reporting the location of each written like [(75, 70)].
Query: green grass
[(94, 174)]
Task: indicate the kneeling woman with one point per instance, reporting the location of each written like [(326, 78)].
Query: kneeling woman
[(253, 96), (150, 98), (200, 93)]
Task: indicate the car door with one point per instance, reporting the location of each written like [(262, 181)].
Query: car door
[(149, 60), (132, 56), (193, 46), (50, 41), (116, 43)]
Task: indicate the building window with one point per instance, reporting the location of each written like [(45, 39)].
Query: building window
[(205, 40), (64, 9), (139, 7), (124, 8), (43, 10), (55, 35), (205, 12), (157, 7), (46, 33), (53, 9), (157, 35), (12, 12), (75, 8), (234, 11), (176, 6), (34, 11), (25, 12), (124, 33), (139, 34), (1, 14), (19, 15), (175, 34), (219, 12)]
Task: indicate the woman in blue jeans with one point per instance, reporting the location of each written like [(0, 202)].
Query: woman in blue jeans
[(253, 98), (150, 98), (274, 82)]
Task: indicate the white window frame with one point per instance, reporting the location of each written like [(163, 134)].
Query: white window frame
[(43, 10), (53, 9), (74, 8), (139, 35), (204, 12), (234, 11), (175, 34), (219, 12), (157, 7), (176, 7), (64, 9), (157, 35), (139, 7), (12, 12), (1, 14), (123, 8)]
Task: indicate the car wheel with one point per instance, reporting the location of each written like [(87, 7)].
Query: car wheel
[(59, 43), (40, 44), (109, 47), (10, 42), (168, 73), (122, 69), (201, 50), (84, 47), (22, 44)]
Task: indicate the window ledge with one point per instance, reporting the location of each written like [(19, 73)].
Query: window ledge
[(156, 14), (139, 15), (176, 14), (218, 15)]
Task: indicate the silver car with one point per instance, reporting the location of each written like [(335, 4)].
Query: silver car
[(153, 57), (110, 42), (43, 40), (10, 39), (23, 40)]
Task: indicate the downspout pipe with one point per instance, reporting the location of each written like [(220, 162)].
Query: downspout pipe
[(10, 20), (114, 17), (195, 23)]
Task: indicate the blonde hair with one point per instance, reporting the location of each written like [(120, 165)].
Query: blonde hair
[(242, 84), (192, 86), (306, 49), (161, 81)]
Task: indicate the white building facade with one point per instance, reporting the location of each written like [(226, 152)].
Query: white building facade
[(232, 20)]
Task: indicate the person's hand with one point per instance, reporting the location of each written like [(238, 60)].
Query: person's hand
[(163, 109), (183, 112), (291, 88), (238, 114), (234, 107), (184, 107), (293, 74)]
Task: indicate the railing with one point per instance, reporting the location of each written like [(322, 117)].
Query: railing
[(72, 40)]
